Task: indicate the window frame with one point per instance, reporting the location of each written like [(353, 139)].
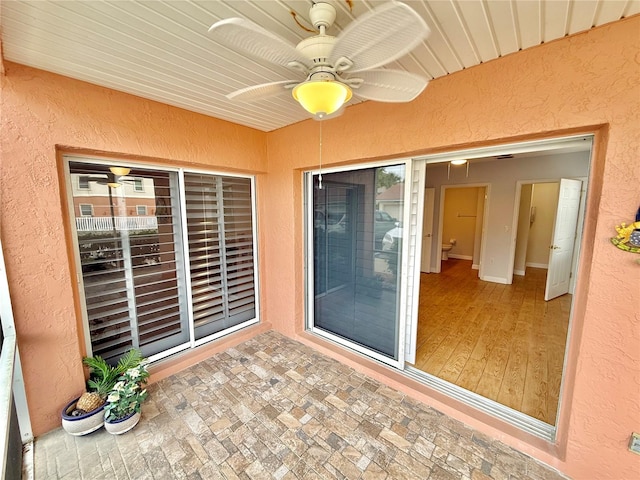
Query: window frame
[(144, 210), (82, 214), (192, 343), (81, 185), (138, 185)]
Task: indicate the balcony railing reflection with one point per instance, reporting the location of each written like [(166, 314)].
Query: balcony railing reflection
[(103, 224)]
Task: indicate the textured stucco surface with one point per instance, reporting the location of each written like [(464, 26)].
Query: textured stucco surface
[(589, 82), (40, 111)]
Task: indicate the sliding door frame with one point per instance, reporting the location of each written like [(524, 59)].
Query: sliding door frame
[(308, 189), (514, 417)]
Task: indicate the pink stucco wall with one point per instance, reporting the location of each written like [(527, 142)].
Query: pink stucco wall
[(39, 112), (590, 82), (586, 83)]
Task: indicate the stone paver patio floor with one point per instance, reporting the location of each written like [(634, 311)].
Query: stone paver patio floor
[(274, 408)]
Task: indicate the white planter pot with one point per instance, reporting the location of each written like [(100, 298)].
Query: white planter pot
[(82, 424), (123, 425)]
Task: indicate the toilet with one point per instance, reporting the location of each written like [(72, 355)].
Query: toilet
[(446, 248)]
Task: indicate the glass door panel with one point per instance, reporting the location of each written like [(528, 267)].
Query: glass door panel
[(356, 268)]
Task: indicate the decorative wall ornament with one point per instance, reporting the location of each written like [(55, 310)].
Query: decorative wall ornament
[(628, 238)]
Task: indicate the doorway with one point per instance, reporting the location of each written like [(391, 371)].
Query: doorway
[(495, 336), (460, 231), (549, 225)]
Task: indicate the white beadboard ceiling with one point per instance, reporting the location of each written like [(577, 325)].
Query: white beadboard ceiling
[(160, 49)]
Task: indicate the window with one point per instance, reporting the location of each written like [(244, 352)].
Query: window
[(170, 281), (83, 182), (86, 210), (138, 186)]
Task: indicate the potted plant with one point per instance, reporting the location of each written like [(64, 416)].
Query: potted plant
[(85, 414), (124, 403)]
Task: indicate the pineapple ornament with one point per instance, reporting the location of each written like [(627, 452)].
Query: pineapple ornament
[(103, 378), (86, 413), (88, 401)]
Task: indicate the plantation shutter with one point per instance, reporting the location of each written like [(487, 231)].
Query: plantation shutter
[(131, 274), (105, 291), (158, 268), (220, 245)]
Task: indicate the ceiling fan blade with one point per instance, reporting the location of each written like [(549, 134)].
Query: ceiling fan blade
[(387, 85), (247, 36), (265, 90), (380, 36)]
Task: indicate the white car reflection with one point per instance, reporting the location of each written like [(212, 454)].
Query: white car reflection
[(392, 239)]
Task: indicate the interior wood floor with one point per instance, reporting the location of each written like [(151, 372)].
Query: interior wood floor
[(503, 342)]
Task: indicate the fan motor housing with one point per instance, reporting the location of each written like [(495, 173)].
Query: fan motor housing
[(317, 48)]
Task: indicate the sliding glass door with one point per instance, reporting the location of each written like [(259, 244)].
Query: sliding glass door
[(355, 242)]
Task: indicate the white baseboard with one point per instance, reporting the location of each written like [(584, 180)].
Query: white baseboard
[(460, 257), (487, 278), (518, 272), (537, 265), (475, 266)]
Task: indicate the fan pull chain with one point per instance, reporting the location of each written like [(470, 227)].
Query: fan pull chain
[(320, 172)]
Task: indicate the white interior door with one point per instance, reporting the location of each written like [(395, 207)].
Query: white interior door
[(427, 229), (563, 239)]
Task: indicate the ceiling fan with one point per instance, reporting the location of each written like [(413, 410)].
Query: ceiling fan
[(327, 70), (114, 178)]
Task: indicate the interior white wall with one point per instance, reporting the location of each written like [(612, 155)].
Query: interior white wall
[(502, 175)]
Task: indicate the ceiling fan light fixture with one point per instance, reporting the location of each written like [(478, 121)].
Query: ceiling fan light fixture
[(120, 171), (321, 97)]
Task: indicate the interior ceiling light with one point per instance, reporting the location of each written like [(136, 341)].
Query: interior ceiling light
[(457, 162), (120, 171), (322, 97)]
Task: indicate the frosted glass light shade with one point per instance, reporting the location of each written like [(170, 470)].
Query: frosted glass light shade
[(458, 162), (120, 171), (322, 97)]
